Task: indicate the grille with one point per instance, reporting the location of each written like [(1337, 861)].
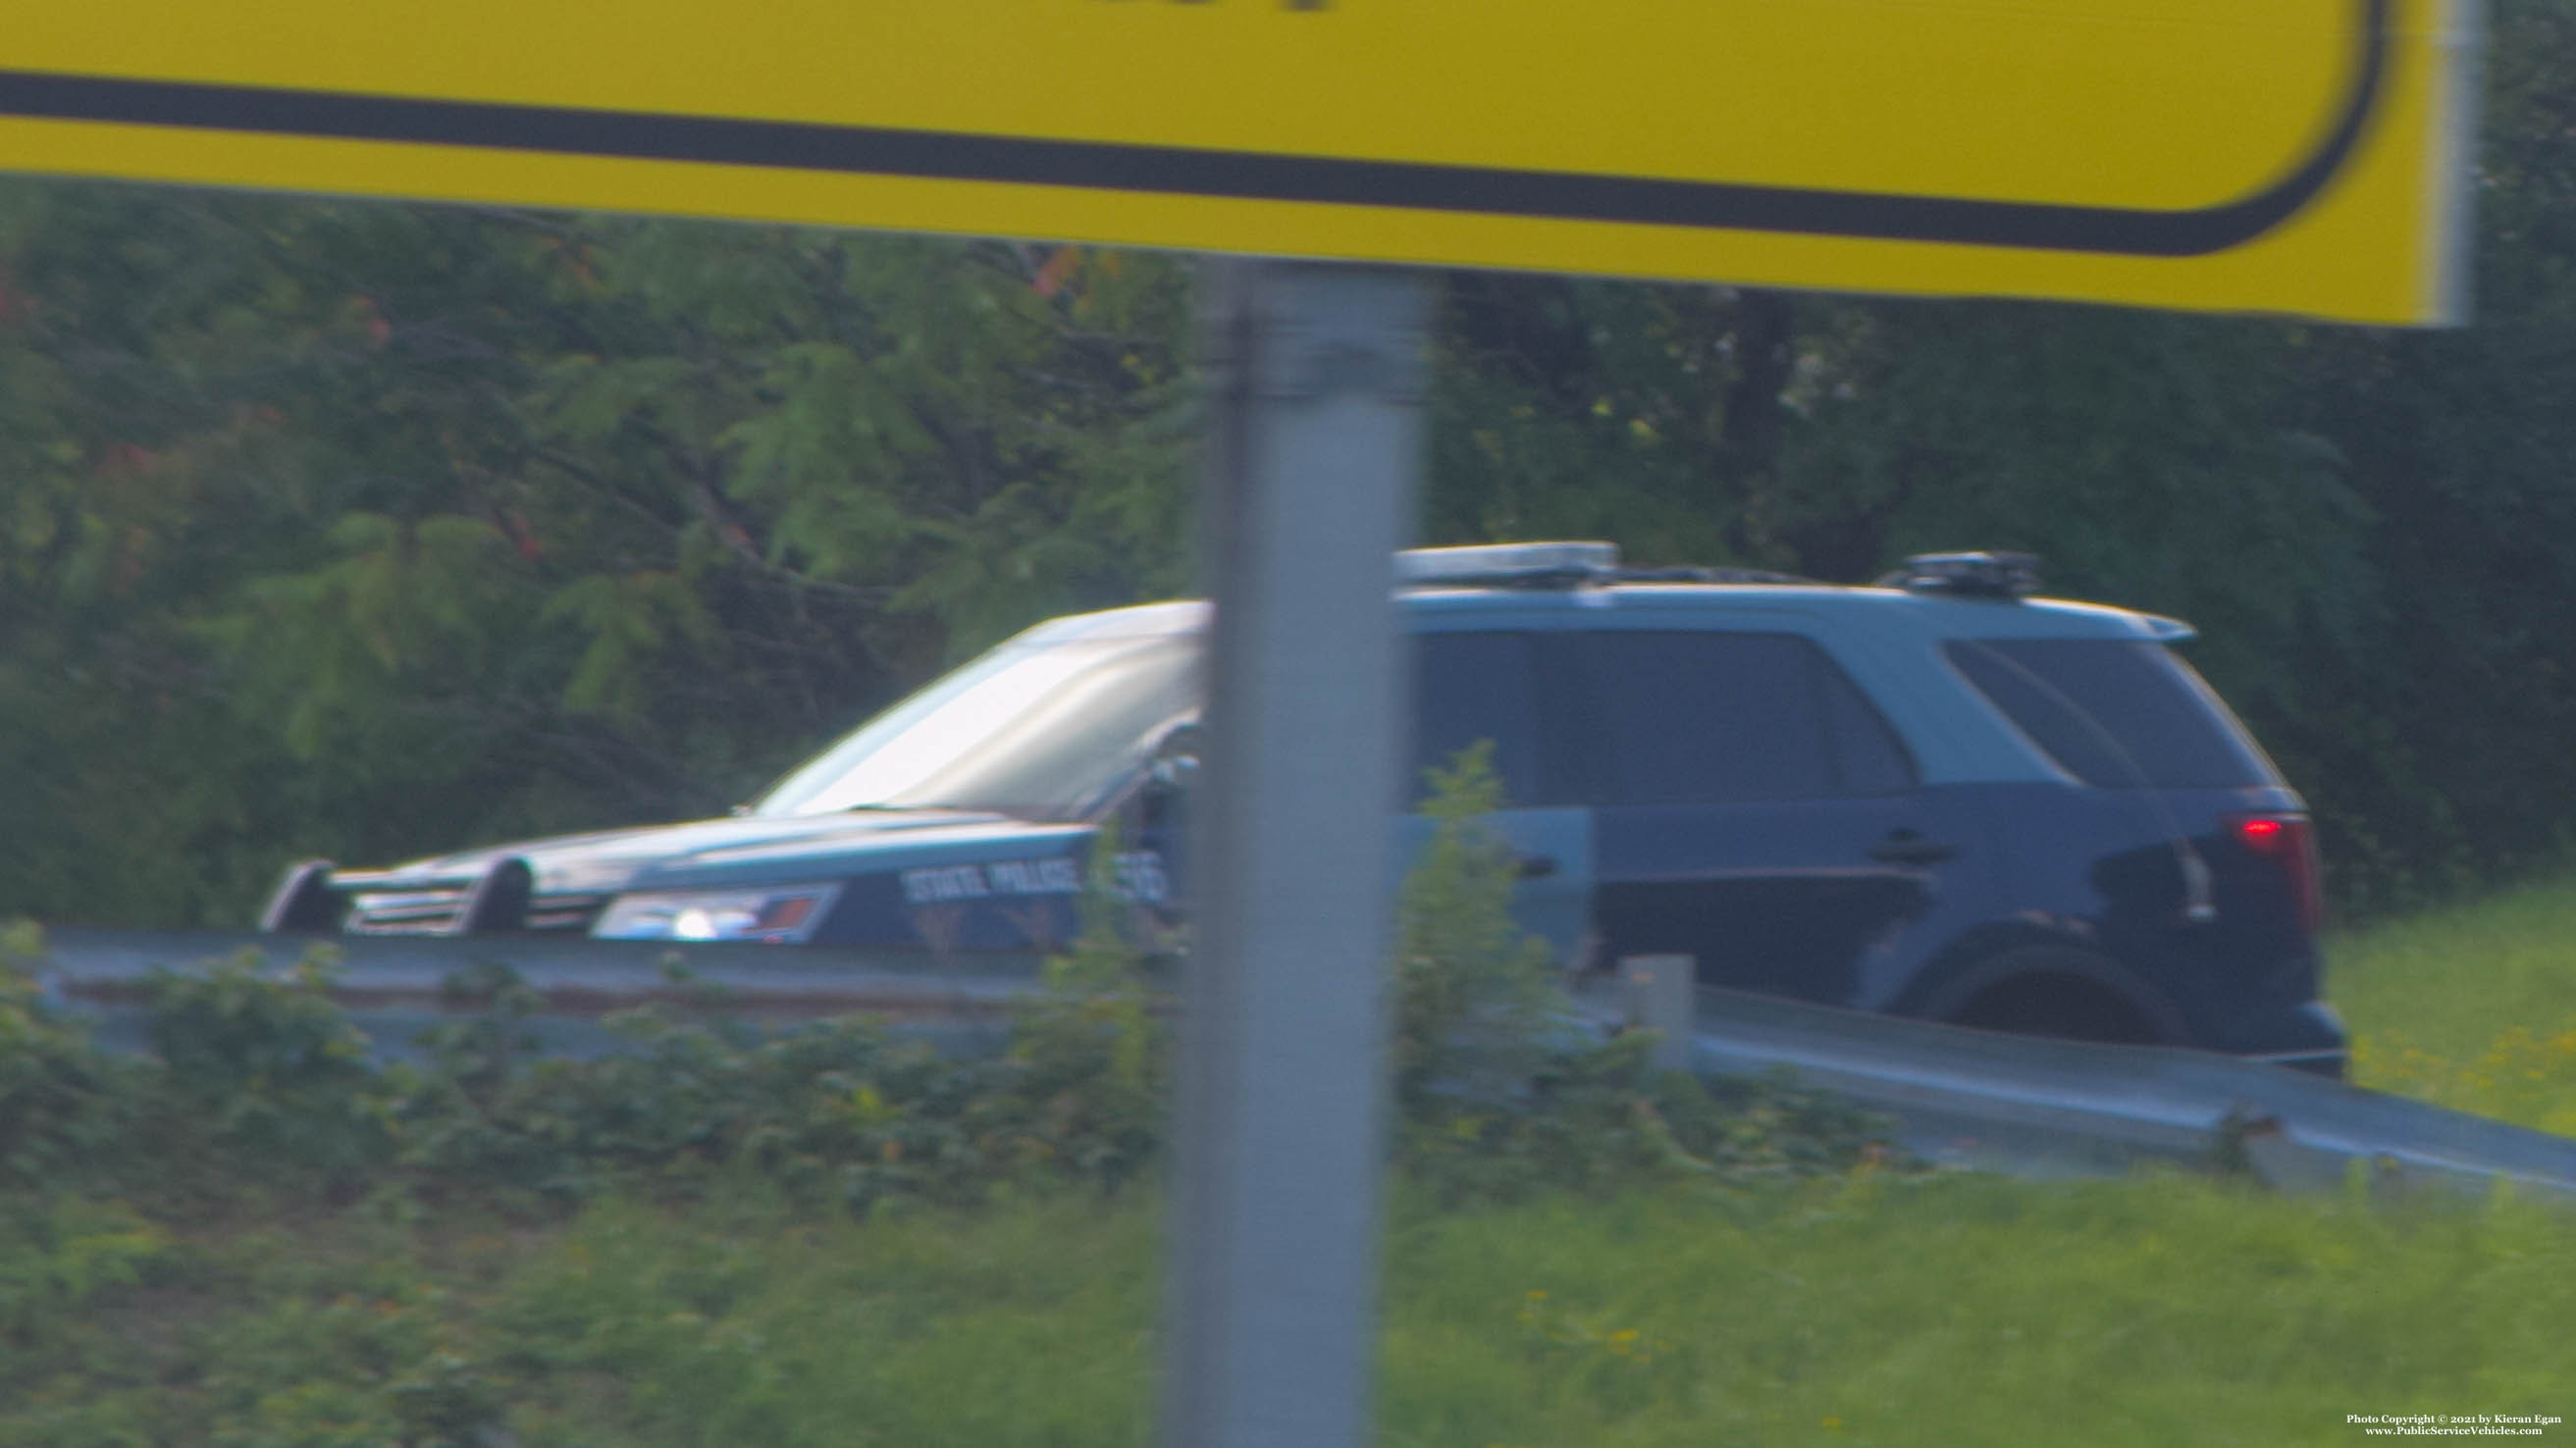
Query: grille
[(407, 912), (550, 914), (434, 911)]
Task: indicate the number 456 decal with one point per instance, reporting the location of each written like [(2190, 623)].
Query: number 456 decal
[(1138, 875)]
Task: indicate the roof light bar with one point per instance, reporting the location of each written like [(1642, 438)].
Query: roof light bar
[(1507, 562)]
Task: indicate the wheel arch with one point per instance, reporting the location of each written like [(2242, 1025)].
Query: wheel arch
[(1994, 963)]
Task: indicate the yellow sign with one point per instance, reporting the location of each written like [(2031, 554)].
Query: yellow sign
[(2277, 155)]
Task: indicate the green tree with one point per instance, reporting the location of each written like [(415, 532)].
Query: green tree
[(364, 529), (2373, 530)]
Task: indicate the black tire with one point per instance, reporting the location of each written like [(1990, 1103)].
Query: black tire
[(2055, 991)]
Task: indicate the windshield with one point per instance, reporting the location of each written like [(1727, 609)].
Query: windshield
[(1040, 730)]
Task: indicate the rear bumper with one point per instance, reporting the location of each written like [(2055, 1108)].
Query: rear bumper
[(2310, 1037)]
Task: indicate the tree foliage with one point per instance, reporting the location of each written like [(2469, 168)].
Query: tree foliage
[(359, 529), (363, 529), (2375, 531)]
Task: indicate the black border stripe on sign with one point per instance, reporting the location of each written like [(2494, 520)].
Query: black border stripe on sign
[(1177, 170)]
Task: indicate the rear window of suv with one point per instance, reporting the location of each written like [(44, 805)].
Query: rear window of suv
[(2114, 713)]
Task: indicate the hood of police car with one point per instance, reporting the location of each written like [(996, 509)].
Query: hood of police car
[(743, 849)]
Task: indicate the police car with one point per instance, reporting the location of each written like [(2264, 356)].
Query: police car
[(1938, 796)]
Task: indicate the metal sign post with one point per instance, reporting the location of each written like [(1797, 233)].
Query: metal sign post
[(1313, 453)]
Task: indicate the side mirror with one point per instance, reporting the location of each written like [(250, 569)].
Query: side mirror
[(1175, 765)]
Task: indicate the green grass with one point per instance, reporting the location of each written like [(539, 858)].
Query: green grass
[(1969, 1311), (1869, 1310), (2471, 1006)]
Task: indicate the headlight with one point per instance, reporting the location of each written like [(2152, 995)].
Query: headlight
[(779, 915)]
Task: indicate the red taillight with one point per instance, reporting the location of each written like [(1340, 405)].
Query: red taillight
[(2290, 840), (2275, 835)]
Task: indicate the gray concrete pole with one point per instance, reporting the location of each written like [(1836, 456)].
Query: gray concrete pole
[(1662, 995), (1314, 448)]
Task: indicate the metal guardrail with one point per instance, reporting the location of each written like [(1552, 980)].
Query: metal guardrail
[(395, 987), (1968, 1097), (2045, 1107)]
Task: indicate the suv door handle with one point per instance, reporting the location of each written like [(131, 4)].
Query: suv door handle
[(1536, 867), (1905, 847)]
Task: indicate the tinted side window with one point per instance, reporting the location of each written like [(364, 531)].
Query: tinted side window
[(1471, 686), (1708, 718), (1872, 759), (2116, 713)]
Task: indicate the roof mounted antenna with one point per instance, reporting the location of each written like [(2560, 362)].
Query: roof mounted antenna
[(2006, 576)]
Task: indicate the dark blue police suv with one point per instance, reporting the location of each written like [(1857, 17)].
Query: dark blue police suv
[(1938, 797)]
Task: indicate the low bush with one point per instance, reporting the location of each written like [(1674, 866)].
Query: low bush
[(258, 1235), (1500, 1097), (257, 1081), (62, 1101)]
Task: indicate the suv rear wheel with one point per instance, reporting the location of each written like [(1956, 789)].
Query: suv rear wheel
[(2054, 991)]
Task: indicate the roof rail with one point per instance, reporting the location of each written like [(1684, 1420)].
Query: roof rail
[(1695, 573)]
